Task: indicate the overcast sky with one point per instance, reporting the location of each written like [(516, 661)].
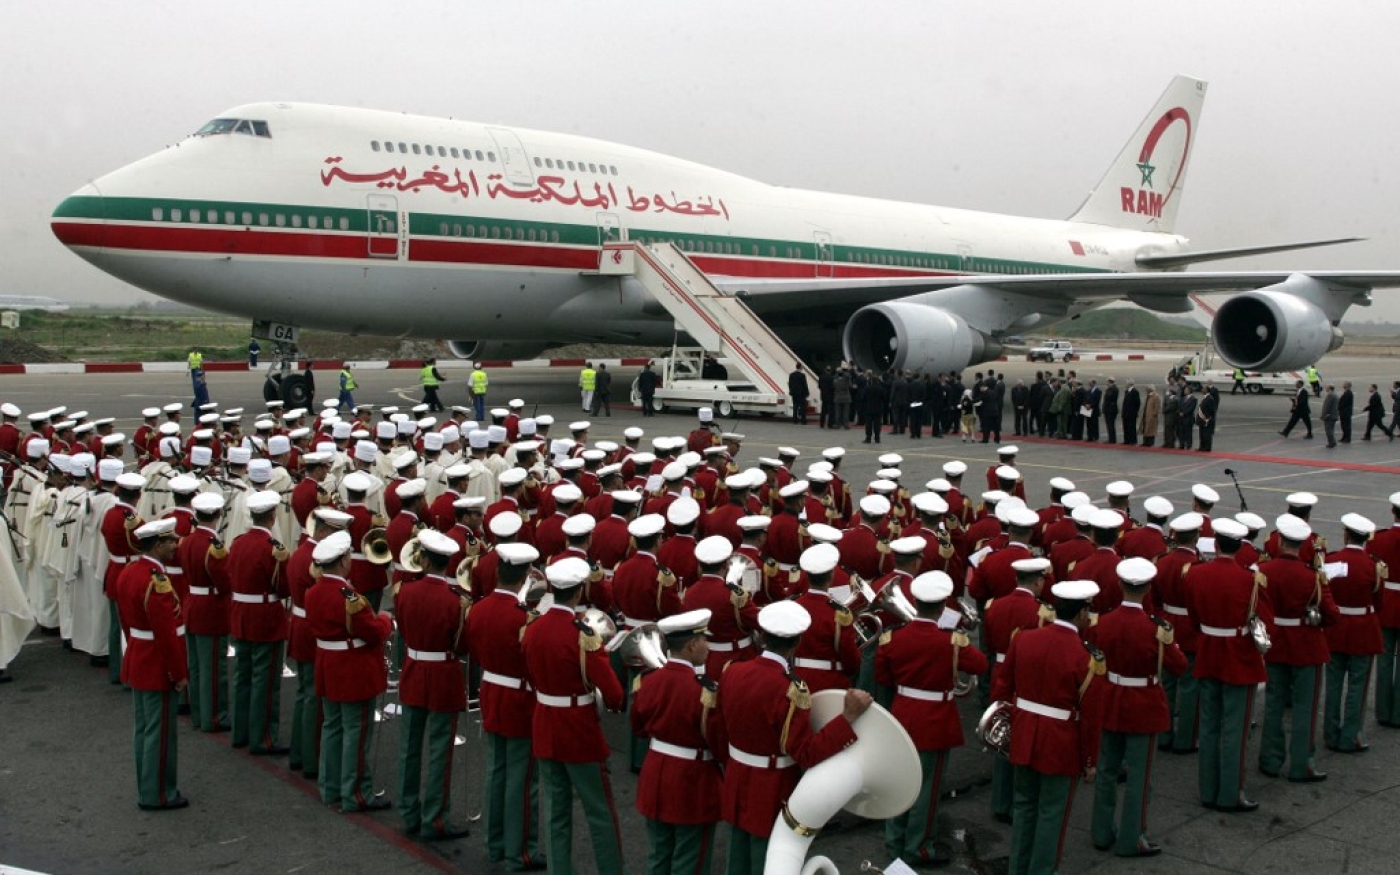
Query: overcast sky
[(1013, 107)]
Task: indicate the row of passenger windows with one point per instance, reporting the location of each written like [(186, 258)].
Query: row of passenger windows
[(499, 232), (440, 151), (578, 166), (196, 216)]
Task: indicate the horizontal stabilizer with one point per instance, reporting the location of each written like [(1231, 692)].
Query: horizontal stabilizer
[(1182, 259)]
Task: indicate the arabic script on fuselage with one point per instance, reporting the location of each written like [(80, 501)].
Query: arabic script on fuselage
[(546, 189)]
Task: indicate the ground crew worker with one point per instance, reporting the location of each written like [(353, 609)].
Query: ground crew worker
[(432, 616), (1354, 639), (347, 387), (203, 557), (567, 733), (494, 630), (258, 627), (350, 673), (1050, 677), (1138, 649), (1314, 379), (765, 714), (587, 383), (479, 384), (155, 665), (1228, 666), (676, 707), (918, 664), (1239, 387), (1385, 548), (430, 379)]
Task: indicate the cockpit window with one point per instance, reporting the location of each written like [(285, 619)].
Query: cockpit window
[(234, 126)]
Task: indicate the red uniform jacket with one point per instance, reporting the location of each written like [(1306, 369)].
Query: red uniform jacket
[(827, 656), (729, 626), (724, 521), (1066, 555), (1134, 701), (676, 705), (432, 618), (364, 574), (507, 504), (494, 628), (1384, 546), (549, 533), (339, 616), (1047, 667), (301, 644), (1007, 617), (643, 592), (1310, 552), (442, 513), (1168, 594), (821, 509), (155, 658), (1062, 529), (917, 661), (993, 483), (787, 538), (677, 554), (259, 583), (860, 551), (1357, 594), (1101, 566), (994, 577), (117, 527), (953, 565), (1217, 596), (483, 576), (204, 560), (765, 714), (611, 543), (1292, 587), (306, 497), (600, 506), (1144, 542), (1049, 516), (402, 527), (566, 727)]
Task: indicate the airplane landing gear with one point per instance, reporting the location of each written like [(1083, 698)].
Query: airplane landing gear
[(283, 382)]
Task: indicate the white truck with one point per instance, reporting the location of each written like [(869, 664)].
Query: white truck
[(691, 378), (1199, 367), (1051, 350)]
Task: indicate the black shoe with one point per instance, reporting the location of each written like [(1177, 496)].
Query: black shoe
[(5, 677), (310, 776), (1103, 848), (1311, 776), (97, 661), (1359, 747), (1268, 773), (1241, 806), (277, 750), (1283, 434), (1001, 818), (1145, 848), (537, 863), (939, 857), (171, 805), (183, 710), (447, 835), (378, 803)]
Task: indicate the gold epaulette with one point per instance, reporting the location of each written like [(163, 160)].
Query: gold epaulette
[(1045, 613), (636, 683), (378, 521), (844, 617), (770, 568), (1185, 568), (1097, 665), (886, 638), (798, 694), (595, 573), (882, 546), (589, 641), (217, 550), (133, 522), (664, 576), (1260, 580), (709, 694), (1070, 567), (1382, 573), (279, 552), (161, 584), (960, 639)]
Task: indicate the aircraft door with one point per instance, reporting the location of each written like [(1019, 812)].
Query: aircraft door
[(383, 228), (826, 256), (965, 259), (514, 161), (610, 229)]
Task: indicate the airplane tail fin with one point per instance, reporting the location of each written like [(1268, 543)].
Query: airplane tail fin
[(1142, 188)]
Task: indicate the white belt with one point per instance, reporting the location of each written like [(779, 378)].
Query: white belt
[(728, 646), (1392, 585), (1119, 680), (1288, 622), (1355, 612), (502, 680), (923, 695), (760, 762), (787, 566), (1043, 710), (174, 569), (298, 612), (248, 598), (1222, 631), (399, 567), (1001, 657), (563, 701), (358, 557), (428, 655), (1175, 609), (201, 590), (340, 645), (823, 664), (148, 635), (679, 752), (121, 560)]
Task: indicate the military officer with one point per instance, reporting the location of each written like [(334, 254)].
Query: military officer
[(204, 560), (828, 655), (1138, 649), (155, 666), (676, 709), (258, 627), (1355, 638)]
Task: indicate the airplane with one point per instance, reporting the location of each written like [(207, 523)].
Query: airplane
[(32, 302), (371, 222)]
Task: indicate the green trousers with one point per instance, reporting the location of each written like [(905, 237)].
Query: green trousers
[(346, 735), (1225, 715), (208, 681), (865, 677), (909, 836), (1040, 815), (1388, 678), (679, 849), (257, 694), (636, 747), (594, 790), (114, 643), (1117, 749), (1184, 702), (512, 801), (747, 852), (155, 744), (1348, 678), (1003, 780), (305, 754), (425, 801), (1295, 688)]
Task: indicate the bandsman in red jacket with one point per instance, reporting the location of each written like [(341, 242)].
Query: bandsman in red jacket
[(733, 616), (993, 575), (676, 708), (918, 664), (862, 549), (118, 526), (1299, 603), (1064, 528), (611, 542), (203, 557), (549, 528), (677, 552), (1101, 565), (1149, 540), (1249, 555), (1203, 501), (1300, 505), (643, 591), (1052, 678), (1066, 553), (350, 674), (1221, 598), (1138, 649), (1053, 512), (368, 578), (1355, 638), (258, 627), (155, 666), (1168, 596), (1385, 549), (828, 656), (566, 664)]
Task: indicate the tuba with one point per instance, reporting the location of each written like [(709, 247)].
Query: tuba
[(640, 649), (601, 623), (411, 557), (375, 547), (876, 777), (994, 728)]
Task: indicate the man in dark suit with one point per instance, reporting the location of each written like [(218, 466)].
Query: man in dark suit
[(1094, 398), (1186, 418), (1207, 406), (1302, 411), (899, 403), (826, 390), (799, 391), (918, 405), (1132, 406), (1346, 406), (1110, 410), (647, 381)]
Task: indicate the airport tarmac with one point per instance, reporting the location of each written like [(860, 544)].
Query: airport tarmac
[(66, 782)]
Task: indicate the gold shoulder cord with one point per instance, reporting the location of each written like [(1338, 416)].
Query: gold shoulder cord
[(798, 697)]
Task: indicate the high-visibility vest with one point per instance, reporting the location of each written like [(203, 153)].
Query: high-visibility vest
[(1312, 374), (479, 382), (428, 376), (347, 381), (196, 361), (1239, 374), (588, 380)]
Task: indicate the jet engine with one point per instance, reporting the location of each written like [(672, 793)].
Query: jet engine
[(498, 350), (1267, 330), (904, 336)]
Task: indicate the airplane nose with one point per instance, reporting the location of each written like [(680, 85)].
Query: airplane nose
[(81, 219)]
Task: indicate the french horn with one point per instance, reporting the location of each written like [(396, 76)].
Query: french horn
[(600, 623), (994, 728), (411, 556), (375, 547), (642, 648)]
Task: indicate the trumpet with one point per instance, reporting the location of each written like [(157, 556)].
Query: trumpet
[(375, 547)]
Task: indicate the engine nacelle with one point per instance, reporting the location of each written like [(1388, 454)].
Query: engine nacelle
[(904, 336), (497, 350), (1268, 330)]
